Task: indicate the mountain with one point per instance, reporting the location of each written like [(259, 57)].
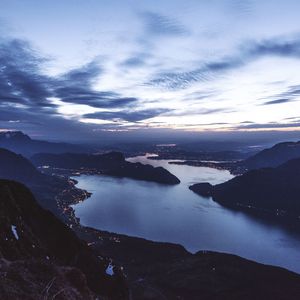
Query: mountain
[(273, 157), (17, 167), (40, 257), (273, 190), (112, 163), (21, 143), (46, 188)]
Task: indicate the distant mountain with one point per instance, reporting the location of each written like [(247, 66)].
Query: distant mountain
[(21, 143), (273, 157), (273, 190), (40, 257), (112, 163)]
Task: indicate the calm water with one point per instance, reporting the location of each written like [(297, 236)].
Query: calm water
[(175, 214)]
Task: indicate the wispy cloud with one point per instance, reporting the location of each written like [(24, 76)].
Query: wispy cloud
[(277, 101), (160, 25), (262, 126), (199, 111), (291, 94), (245, 54), (126, 115), (276, 47)]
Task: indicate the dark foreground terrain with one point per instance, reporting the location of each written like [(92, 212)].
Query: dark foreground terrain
[(41, 258), (167, 271)]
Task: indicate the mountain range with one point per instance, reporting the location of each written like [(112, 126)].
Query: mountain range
[(21, 143)]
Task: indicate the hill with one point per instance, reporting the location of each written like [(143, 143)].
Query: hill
[(272, 157), (112, 163), (46, 188), (38, 252), (272, 190)]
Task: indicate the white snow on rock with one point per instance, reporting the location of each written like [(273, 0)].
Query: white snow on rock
[(109, 270), (14, 231)]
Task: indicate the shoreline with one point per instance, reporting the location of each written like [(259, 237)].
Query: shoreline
[(93, 235), (159, 268)]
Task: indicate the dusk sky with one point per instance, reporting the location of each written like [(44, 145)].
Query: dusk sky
[(83, 69)]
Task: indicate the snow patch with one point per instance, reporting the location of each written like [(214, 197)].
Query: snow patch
[(14, 231), (110, 270)]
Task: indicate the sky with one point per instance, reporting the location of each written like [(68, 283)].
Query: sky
[(89, 69)]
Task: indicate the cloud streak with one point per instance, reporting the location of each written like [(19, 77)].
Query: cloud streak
[(129, 116), (160, 25), (290, 95), (250, 52)]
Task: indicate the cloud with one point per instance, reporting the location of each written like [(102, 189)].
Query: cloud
[(291, 94), (276, 47), (207, 72), (160, 25), (136, 60), (87, 96), (293, 119), (129, 116), (20, 78), (76, 87), (22, 82), (250, 51), (133, 62), (277, 101), (247, 122), (293, 90), (25, 91), (267, 126), (201, 111)]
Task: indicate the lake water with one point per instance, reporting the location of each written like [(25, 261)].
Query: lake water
[(176, 214)]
